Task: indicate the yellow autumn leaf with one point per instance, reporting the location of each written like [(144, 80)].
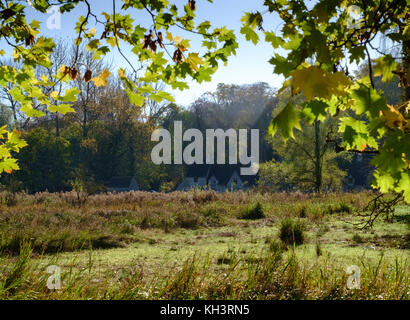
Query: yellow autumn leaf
[(4, 152), (63, 69), (393, 118), (407, 110), (54, 94), (3, 130), (121, 73), (194, 60), (316, 82), (339, 82), (407, 126), (101, 80), (92, 32), (169, 36)]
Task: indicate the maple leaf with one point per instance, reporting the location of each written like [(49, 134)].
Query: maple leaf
[(87, 76), (286, 121), (383, 182), (194, 60), (315, 109), (393, 118), (404, 185), (384, 67), (316, 82), (69, 95), (368, 100), (250, 34), (8, 165), (101, 80), (61, 108)]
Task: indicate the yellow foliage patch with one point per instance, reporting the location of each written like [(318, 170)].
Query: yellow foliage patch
[(101, 80), (394, 119), (316, 82)]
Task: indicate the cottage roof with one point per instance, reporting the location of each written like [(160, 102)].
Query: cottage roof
[(222, 172), (198, 171), (120, 182)]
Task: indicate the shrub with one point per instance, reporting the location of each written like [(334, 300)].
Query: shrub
[(188, 220), (319, 251), (357, 238), (292, 232), (212, 216), (277, 247), (253, 213), (302, 212), (340, 207)]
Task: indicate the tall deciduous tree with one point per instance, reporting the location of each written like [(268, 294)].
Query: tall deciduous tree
[(327, 33)]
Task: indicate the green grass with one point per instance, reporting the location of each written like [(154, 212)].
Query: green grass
[(196, 246)]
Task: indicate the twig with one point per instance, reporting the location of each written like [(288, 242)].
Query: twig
[(379, 206), (117, 42), (369, 61)]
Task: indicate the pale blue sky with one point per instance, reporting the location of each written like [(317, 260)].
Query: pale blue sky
[(248, 66)]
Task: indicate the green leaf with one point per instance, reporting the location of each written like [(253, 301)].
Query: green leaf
[(273, 39), (315, 109), (204, 74), (282, 65), (286, 121), (250, 35), (135, 98), (194, 61), (61, 108), (357, 53), (316, 82), (356, 134), (404, 185), (8, 165), (383, 182), (93, 45), (384, 67), (70, 95), (14, 141), (29, 111), (368, 100), (252, 19), (164, 95)]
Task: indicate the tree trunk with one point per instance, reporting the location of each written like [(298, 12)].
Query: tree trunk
[(84, 125), (318, 160), (406, 66), (57, 126)]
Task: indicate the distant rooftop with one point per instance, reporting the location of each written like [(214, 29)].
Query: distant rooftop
[(120, 182)]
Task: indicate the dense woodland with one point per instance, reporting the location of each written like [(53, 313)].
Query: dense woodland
[(108, 136)]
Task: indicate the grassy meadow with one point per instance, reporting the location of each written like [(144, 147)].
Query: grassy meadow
[(200, 245)]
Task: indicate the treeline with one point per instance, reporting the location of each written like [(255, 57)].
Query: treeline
[(108, 136)]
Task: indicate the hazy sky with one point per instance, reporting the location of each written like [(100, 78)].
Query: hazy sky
[(248, 66)]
